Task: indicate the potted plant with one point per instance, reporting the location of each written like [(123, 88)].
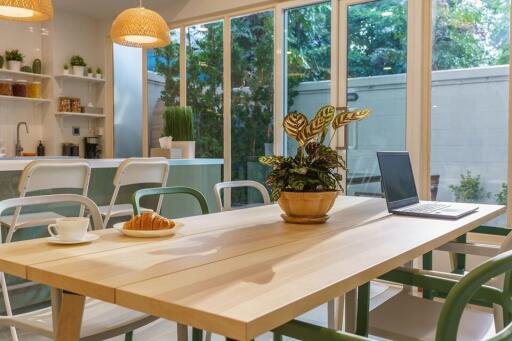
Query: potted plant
[(14, 59), (307, 184), (178, 124), (78, 64), (99, 74), (1, 62), (66, 69), (89, 72)]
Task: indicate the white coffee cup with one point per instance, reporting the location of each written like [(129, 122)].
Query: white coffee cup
[(69, 229)]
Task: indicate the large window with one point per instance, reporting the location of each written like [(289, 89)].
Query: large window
[(377, 64), (163, 84), (252, 99), (205, 87), (308, 61), (470, 101)]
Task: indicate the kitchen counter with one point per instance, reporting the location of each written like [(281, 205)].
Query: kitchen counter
[(17, 164)]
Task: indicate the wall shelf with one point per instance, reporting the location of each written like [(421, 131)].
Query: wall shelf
[(81, 78), (80, 114), (24, 99), (24, 74)]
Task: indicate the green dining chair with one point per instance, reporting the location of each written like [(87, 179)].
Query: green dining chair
[(470, 289), (167, 191), (197, 334)]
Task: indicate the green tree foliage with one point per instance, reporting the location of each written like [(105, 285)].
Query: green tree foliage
[(502, 196), (252, 68), (469, 189), (167, 64)]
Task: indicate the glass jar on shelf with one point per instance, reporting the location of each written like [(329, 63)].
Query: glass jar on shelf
[(5, 87), (34, 90), (19, 89)]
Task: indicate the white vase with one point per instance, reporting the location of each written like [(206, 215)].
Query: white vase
[(91, 75), (65, 71), (14, 65), (99, 75), (183, 150), (78, 70)]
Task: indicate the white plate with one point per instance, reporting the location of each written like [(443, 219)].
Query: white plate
[(147, 233), (89, 237)]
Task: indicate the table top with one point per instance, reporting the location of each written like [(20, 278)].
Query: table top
[(239, 273)]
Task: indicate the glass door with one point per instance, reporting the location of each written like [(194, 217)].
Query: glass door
[(376, 79)]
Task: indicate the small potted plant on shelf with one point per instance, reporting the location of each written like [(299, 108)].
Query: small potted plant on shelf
[(14, 59), (66, 69), (99, 74), (1, 62), (307, 184), (89, 72), (178, 131), (78, 64)]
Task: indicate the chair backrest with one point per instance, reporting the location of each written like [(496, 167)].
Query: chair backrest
[(168, 190), (97, 223), (55, 199), (142, 171), (239, 184), (474, 284), (54, 174)]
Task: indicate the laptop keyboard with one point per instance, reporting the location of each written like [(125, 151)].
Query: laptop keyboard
[(425, 208)]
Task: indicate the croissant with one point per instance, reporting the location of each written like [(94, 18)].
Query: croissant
[(149, 221)]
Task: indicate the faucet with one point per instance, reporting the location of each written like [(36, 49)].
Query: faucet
[(19, 148)]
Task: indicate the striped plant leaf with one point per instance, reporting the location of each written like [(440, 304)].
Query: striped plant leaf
[(327, 113), (346, 117), (311, 131), (271, 160), (294, 123)]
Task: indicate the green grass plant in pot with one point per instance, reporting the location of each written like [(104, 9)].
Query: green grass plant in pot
[(78, 64), (14, 59), (306, 185), (179, 124)]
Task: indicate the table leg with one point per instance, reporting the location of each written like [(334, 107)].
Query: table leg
[(56, 298), (70, 317), (339, 313), (350, 311), (182, 332)]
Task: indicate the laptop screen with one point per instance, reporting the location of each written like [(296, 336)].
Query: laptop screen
[(397, 179)]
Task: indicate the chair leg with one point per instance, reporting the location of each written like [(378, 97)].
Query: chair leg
[(128, 336), (350, 311), (197, 334), (7, 303), (363, 307)]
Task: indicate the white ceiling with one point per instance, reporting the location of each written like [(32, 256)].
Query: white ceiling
[(108, 8)]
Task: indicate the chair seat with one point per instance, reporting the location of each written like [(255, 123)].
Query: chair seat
[(120, 210), (407, 318), (31, 219), (101, 321)]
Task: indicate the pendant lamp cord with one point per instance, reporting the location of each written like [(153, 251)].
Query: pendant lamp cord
[(140, 3)]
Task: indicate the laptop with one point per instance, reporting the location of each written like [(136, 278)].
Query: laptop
[(401, 195)]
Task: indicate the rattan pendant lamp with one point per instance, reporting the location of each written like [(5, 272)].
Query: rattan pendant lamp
[(140, 27), (26, 10)]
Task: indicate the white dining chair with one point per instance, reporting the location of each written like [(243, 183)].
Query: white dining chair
[(101, 320), (135, 171), (46, 175), (217, 189), (408, 317)]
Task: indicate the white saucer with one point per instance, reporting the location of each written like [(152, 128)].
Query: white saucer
[(147, 233), (89, 237)]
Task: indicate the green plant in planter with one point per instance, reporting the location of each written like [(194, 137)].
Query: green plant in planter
[(66, 67), (502, 196), (77, 61), (469, 189), (89, 70), (315, 166), (1, 62), (178, 123), (14, 55), (98, 71)]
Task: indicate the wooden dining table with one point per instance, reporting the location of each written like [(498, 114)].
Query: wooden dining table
[(239, 273)]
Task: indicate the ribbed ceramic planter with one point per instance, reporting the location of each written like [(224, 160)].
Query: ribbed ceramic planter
[(309, 205)]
